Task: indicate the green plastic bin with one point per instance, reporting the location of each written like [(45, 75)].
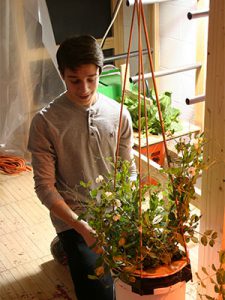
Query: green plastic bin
[(110, 84)]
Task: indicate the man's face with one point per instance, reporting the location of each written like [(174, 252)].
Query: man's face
[(82, 84)]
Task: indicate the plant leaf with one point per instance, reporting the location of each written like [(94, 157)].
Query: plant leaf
[(204, 240), (212, 280), (222, 256), (203, 285), (214, 235), (214, 267), (209, 297), (194, 239), (197, 275), (216, 288), (211, 243), (208, 232), (93, 277), (205, 271)]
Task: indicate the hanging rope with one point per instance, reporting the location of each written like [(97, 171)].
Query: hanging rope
[(12, 165), (140, 80), (111, 23), (140, 15)]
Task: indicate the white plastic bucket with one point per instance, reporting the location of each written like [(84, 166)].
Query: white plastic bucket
[(173, 292)]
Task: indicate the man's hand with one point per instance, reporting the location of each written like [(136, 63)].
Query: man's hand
[(64, 212), (89, 236), (86, 231)]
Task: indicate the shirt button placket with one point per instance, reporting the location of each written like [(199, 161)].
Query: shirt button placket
[(91, 123)]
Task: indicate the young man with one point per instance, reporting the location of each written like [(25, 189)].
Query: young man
[(71, 140)]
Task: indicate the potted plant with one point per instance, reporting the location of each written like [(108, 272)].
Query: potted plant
[(147, 248)]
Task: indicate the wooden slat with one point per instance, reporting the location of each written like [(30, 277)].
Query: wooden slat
[(12, 285), (5, 196), (118, 33), (213, 181)]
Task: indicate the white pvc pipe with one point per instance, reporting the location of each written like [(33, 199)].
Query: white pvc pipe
[(195, 99), (198, 14), (168, 72), (131, 2)]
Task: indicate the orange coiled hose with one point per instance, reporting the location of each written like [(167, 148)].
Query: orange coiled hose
[(13, 165)]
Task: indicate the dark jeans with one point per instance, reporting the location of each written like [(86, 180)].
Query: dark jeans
[(82, 262)]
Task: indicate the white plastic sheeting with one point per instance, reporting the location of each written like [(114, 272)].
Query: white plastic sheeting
[(28, 74)]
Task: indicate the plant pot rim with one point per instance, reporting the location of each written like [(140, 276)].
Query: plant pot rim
[(146, 285), (162, 271)]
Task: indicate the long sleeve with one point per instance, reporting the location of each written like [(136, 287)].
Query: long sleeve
[(43, 161)]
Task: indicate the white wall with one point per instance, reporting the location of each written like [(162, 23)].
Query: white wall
[(177, 48)]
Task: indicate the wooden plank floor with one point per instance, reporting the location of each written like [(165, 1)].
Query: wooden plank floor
[(27, 268)]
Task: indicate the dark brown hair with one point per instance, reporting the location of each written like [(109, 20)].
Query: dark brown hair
[(80, 50)]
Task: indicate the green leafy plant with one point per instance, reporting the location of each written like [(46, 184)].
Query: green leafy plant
[(165, 221), (170, 114)]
